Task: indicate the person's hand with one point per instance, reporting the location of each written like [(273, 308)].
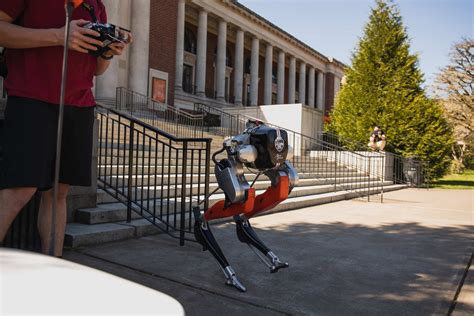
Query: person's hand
[(127, 36), (116, 49), (79, 39)]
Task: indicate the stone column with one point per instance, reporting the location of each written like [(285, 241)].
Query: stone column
[(337, 85), (139, 50), (201, 54), (281, 78), (107, 83), (320, 92), (254, 71), (221, 57), (178, 83), (311, 86), (302, 88), (267, 97), (292, 81), (239, 67)]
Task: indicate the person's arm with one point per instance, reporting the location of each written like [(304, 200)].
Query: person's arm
[(14, 36)]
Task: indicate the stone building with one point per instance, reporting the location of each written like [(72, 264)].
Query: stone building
[(216, 52)]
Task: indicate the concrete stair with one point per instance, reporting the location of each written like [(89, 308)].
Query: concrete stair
[(107, 221), (151, 186)]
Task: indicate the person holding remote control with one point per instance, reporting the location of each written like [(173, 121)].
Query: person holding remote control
[(33, 34)]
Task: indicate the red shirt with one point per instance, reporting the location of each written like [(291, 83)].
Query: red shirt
[(36, 73)]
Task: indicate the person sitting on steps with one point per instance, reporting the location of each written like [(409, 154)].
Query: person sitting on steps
[(377, 139)]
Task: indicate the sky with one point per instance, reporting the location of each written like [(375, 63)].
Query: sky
[(334, 27)]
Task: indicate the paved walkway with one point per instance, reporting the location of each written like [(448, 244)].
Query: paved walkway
[(403, 257)]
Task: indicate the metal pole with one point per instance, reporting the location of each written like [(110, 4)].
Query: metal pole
[(130, 171), (69, 8), (383, 175), (183, 194), (368, 187), (335, 169)]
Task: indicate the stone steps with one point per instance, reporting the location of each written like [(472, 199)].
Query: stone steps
[(262, 182), (321, 181), (170, 158), (122, 180), (110, 210), (152, 170), (79, 235), (314, 185)]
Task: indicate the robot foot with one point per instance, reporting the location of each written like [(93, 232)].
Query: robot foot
[(232, 279), (247, 235), (204, 236), (276, 264)]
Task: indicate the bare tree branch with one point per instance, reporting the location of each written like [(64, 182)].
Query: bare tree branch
[(454, 86)]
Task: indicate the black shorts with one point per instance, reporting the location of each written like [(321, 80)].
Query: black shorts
[(29, 145)]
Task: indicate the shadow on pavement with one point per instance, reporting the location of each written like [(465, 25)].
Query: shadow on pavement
[(335, 269)]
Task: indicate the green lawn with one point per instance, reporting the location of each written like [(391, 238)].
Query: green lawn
[(456, 181)]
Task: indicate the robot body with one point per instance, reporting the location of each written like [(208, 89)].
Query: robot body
[(265, 149)]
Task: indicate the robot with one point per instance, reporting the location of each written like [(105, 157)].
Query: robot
[(266, 150)]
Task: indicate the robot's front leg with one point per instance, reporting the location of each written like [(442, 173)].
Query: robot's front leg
[(204, 236), (283, 181), (247, 235)]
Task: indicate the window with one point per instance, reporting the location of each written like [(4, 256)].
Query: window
[(247, 98), (274, 75), (188, 78), (227, 88), (247, 66), (189, 41)]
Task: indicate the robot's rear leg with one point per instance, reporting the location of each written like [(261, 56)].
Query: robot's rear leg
[(247, 235), (204, 236)]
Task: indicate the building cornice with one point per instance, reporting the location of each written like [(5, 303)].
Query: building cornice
[(284, 34), (235, 13)]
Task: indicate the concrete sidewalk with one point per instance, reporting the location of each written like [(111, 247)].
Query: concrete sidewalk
[(403, 257)]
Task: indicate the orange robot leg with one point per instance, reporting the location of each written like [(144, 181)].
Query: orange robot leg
[(218, 210), (271, 197)]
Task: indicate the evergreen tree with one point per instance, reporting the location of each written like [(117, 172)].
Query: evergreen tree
[(383, 87)]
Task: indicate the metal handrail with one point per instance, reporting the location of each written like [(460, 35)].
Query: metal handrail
[(174, 120), (102, 106), (221, 112), (154, 173), (399, 176), (312, 138), (363, 162), (336, 148), (164, 105)]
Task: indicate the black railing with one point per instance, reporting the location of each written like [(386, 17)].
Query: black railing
[(360, 173), (157, 175), (165, 117), (411, 171), (219, 122)]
